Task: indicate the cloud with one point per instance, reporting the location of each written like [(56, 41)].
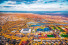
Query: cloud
[(35, 6)]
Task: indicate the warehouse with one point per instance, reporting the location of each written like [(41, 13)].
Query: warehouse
[(27, 30)]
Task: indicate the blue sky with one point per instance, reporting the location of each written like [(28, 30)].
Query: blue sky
[(33, 5)]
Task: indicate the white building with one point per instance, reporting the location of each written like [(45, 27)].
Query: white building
[(26, 30)]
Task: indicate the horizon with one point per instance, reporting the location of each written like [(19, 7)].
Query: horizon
[(53, 13)]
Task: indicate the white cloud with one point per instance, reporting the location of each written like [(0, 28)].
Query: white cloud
[(12, 2), (33, 7)]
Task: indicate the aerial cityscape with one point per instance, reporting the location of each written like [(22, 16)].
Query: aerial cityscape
[(34, 22)]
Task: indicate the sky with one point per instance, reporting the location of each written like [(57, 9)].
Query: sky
[(33, 5)]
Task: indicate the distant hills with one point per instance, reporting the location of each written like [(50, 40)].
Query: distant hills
[(54, 13)]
